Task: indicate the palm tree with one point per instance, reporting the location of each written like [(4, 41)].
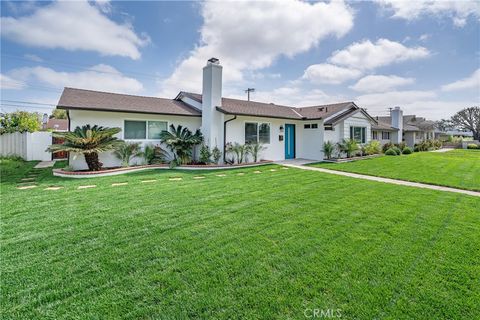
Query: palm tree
[(180, 141), (255, 149), (328, 149), (349, 146), (89, 141), (126, 151)]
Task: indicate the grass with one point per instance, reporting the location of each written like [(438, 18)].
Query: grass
[(456, 168), (264, 246)]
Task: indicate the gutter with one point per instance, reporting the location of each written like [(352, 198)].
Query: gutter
[(225, 136)]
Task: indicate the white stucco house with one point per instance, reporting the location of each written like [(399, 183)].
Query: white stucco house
[(287, 132)]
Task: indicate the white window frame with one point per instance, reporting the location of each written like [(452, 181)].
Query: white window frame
[(352, 133), (258, 131), (387, 133), (146, 128)]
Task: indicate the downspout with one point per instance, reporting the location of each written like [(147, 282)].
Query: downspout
[(225, 137), (68, 129)]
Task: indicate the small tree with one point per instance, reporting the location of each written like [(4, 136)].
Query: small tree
[(216, 154), (348, 146), (58, 114), (468, 119), (255, 149), (20, 121), (126, 151), (180, 141), (205, 154), (89, 141), (328, 149)]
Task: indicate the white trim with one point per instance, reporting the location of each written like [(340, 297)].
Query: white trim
[(258, 133)]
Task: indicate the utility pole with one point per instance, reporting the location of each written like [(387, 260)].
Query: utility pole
[(248, 92)]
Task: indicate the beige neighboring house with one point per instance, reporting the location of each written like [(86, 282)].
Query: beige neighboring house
[(398, 128)]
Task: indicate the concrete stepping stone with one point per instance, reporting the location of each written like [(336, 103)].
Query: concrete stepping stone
[(45, 164), (221, 175), (25, 187), (53, 188), (241, 174), (175, 179), (27, 179), (199, 177), (257, 171), (86, 187), (119, 184), (148, 181), (273, 170), (285, 168)]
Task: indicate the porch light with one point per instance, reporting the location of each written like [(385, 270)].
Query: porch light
[(281, 128)]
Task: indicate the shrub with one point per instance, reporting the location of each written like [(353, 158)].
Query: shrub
[(255, 149), (391, 152), (397, 150), (401, 145), (328, 149), (153, 154), (416, 149), (205, 154), (216, 154), (387, 146), (407, 150), (472, 146), (126, 151), (348, 146), (373, 147), (180, 141)]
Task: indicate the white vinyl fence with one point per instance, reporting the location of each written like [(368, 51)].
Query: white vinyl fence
[(29, 146)]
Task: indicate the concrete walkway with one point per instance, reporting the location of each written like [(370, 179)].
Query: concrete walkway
[(385, 180), (443, 150), (44, 164)]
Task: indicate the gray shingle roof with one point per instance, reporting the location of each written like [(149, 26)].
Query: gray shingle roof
[(105, 101)]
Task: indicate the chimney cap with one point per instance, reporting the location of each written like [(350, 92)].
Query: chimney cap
[(214, 60), (397, 108)]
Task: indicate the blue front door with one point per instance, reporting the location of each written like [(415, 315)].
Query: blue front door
[(289, 141)]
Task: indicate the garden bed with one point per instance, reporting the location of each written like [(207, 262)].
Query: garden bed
[(340, 160), (123, 170)]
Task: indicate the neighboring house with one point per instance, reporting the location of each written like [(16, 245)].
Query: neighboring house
[(397, 128), (57, 125), (286, 132)]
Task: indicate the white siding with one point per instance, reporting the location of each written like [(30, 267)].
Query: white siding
[(357, 120), (116, 119)]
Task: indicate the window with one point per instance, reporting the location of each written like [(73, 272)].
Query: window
[(135, 130), (314, 125), (155, 128), (310, 126), (358, 134), (306, 126), (257, 132), (385, 135), (140, 130), (328, 127), (375, 135)]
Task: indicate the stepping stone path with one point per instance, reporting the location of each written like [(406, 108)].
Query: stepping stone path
[(221, 175), (148, 181), (199, 177), (273, 170), (175, 179), (27, 179), (119, 184), (86, 187), (240, 174), (285, 168), (53, 188), (25, 187), (257, 171)]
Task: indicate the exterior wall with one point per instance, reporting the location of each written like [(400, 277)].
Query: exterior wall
[(379, 135), (357, 120), (409, 138), (308, 142), (29, 146), (212, 120), (116, 119)]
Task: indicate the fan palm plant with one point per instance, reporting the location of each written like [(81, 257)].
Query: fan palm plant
[(153, 154), (328, 149), (255, 149), (180, 141), (126, 151), (348, 146), (89, 141)]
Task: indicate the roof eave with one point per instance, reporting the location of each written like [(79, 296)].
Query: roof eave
[(126, 111)]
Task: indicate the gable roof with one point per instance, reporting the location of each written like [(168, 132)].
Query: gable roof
[(105, 101), (410, 123), (57, 124)]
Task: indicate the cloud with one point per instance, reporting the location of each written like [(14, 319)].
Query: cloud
[(380, 83), (471, 82), (74, 25), (248, 36), (32, 57), (329, 73), (8, 83), (367, 55), (100, 77), (393, 98), (458, 11)]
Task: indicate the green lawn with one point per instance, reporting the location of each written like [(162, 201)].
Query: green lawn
[(456, 168), (252, 246)]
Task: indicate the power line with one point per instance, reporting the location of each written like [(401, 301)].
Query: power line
[(23, 106), (28, 102)]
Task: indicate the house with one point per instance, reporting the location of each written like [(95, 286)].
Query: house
[(398, 128), (286, 132), (57, 125)]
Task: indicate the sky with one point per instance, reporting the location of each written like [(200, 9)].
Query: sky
[(423, 56)]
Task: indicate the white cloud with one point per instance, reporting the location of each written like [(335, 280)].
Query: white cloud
[(458, 11), (471, 82), (368, 55), (251, 35), (380, 83), (329, 73), (100, 77), (8, 83), (424, 37), (73, 25), (32, 57)]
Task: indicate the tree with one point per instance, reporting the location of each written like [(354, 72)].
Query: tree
[(58, 114), (90, 141), (20, 121), (468, 119), (180, 141)]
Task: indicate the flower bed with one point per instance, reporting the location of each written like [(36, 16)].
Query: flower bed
[(123, 170), (338, 160)]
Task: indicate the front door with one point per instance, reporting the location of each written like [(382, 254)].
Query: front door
[(289, 141)]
